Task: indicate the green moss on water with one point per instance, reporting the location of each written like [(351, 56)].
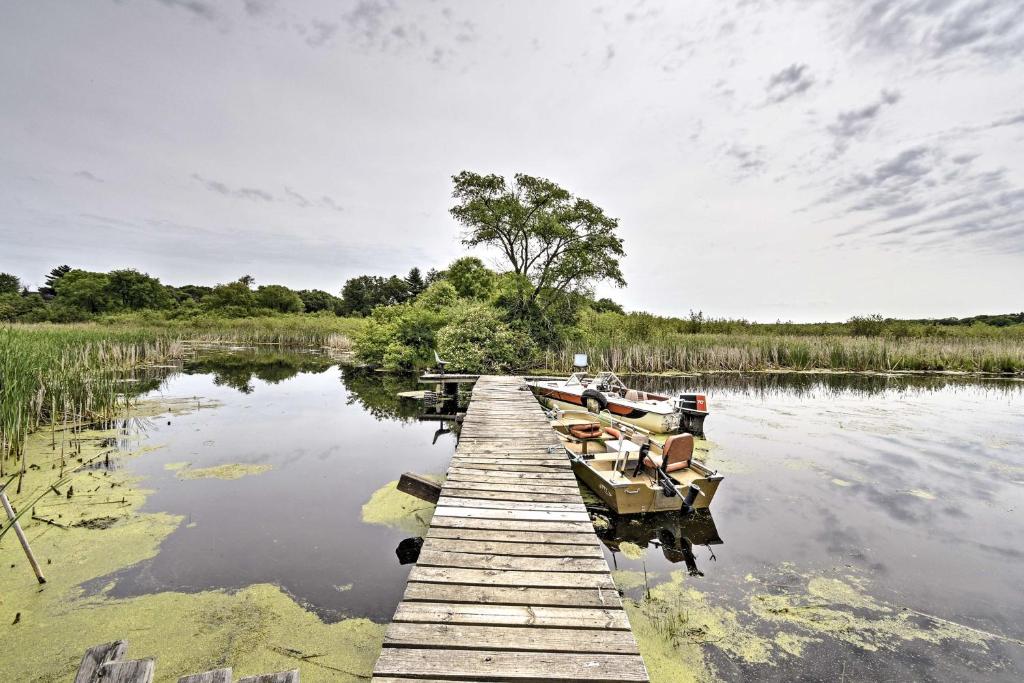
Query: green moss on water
[(254, 630), (390, 507), (682, 632), (676, 625), (632, 550), (921, 493), (175, 466), (227, 471), (841, 609), (628, 579)]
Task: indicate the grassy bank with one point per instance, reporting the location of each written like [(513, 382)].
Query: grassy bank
[(751, 352), (296, 330), (73, 373)]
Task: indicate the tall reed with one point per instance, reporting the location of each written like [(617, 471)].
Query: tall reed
[(57, 375), (711, 352)]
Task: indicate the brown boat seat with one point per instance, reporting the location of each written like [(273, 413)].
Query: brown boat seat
[(678, 450), (587, 430), (632, 395)]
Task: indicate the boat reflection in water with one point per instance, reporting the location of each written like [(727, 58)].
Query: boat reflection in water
[(674, 534)]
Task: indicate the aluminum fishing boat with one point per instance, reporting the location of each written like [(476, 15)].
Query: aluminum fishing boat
[(631, 472), (605, 392)]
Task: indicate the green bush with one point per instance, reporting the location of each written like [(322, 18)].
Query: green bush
[(476, 340), (400, 337)]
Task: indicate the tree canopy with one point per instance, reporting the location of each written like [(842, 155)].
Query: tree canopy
[(558, 241), (362, 294), (9, 284)]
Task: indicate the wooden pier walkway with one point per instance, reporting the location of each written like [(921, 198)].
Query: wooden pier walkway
[(511, 583)]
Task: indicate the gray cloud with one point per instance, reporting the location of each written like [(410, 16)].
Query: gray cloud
[(296, 198), (1014, 120), (609, 54), (88, 176), (436, 35), (290, 195), (329, 203), (320, 32), (217, 186), (198, 8), (937, 29), (367, 18), (923, 196), (854, 123), (791, 81), (258, 7), (749, 159)]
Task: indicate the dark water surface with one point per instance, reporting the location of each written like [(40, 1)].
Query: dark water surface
[(914, 485), (332, 436)]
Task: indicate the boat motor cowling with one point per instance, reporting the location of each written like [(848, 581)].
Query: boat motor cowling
[(691, 495)]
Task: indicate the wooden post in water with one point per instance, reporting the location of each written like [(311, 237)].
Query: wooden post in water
[(21, 534)]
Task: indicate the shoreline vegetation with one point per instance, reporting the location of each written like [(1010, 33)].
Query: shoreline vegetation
[(67, 347), (72, 373)]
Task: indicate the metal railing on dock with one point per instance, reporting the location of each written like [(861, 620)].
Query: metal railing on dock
[(511, 583)]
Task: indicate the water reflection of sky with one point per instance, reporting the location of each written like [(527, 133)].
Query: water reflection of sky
[(299, 524), (915, 484)]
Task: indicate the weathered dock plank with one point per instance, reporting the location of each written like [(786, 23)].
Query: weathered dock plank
[(511, 582)]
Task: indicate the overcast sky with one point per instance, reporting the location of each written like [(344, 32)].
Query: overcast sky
[(767, 160)]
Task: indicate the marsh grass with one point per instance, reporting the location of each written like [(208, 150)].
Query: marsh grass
[(74, 374), (752, 352), (67, 377)]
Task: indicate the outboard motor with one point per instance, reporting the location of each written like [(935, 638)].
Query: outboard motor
[(645, 448), (692, 408), (690, 497)]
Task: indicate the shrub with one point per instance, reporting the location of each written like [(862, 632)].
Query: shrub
[(476, 340)]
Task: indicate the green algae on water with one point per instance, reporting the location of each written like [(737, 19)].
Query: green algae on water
[(227, 471), (254, 630), (390, 507), (675, 626), (843, 610), (632, 550), (628, 579), (175, 466)]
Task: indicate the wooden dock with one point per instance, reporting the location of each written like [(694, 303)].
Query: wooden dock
[(511, 583)]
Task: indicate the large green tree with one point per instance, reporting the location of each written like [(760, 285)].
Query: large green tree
[(278, 298), (9, 284), (414, 281), (233, 299), (559, 242), (470, 277), (316, 300), (49, 289), (362, 294), (86, 291), (134, 290)]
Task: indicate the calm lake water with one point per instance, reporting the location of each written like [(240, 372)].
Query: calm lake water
[(912, 486)]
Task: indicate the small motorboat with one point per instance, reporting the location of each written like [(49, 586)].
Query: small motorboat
[(605, 392), (630, 471)]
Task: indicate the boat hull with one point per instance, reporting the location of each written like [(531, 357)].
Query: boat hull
[(654, 422), (633, 498)]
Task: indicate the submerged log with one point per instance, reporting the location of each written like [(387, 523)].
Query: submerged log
[(421, 488)]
